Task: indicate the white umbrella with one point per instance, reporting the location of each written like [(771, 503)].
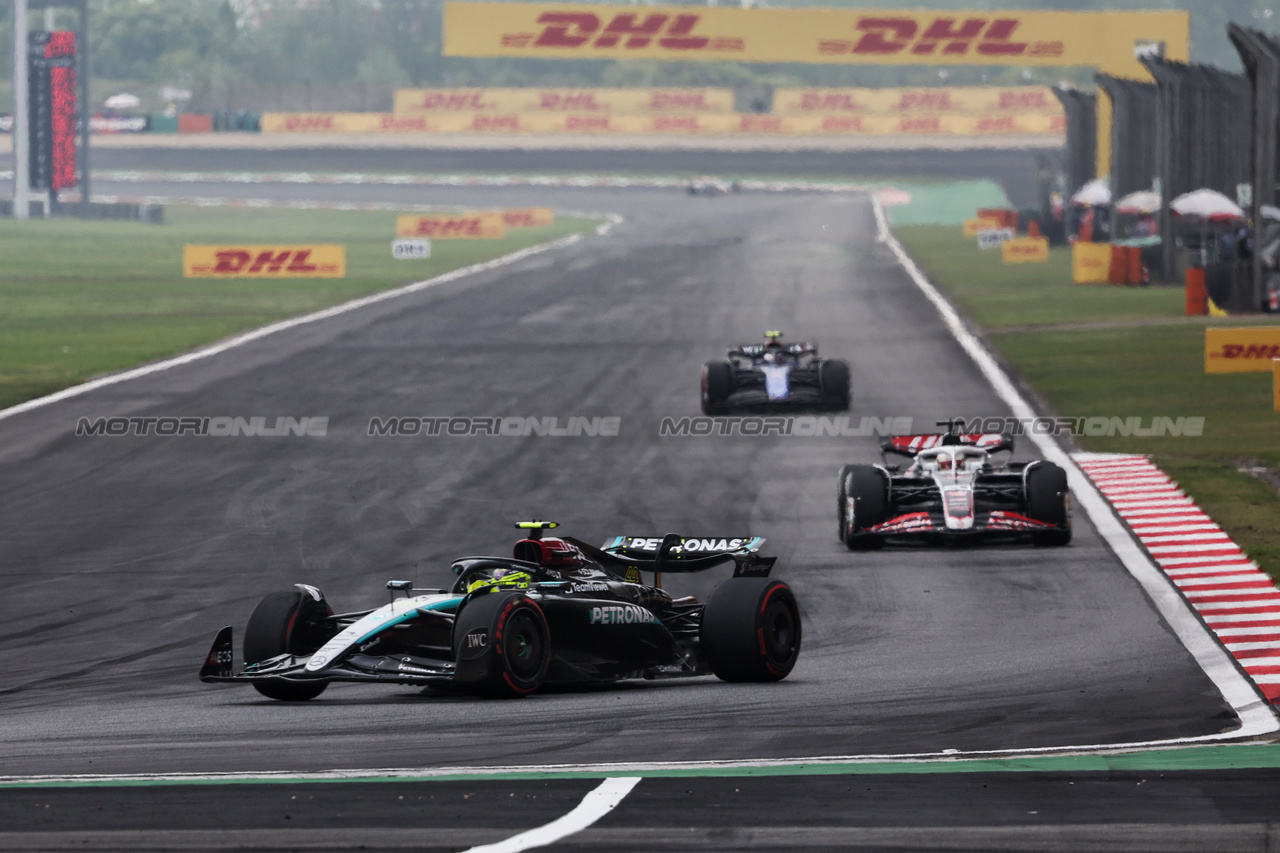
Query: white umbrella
[(1206, 204), (123, 101), (1271, 212), (1143, 201), (1095, 192)]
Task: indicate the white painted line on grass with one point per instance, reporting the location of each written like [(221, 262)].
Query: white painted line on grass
[(594, 806)]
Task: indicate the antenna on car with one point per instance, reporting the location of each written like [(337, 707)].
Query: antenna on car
[(953, 425), (536, 527)]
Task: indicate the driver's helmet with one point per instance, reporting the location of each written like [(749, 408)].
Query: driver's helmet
[(944, 462), (773, 339), (500, 579)]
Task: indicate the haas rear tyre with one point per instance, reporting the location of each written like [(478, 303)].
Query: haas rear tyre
[(751, 630), (833, 375), (1047, 500), (717, 385), (865, 504), (286, 623), (502, 645)]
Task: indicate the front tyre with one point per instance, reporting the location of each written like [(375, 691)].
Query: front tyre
[(717, 385), (286, 622), (866, 504), (1048, 499), (833, 377), (751, 630), (501, 645)]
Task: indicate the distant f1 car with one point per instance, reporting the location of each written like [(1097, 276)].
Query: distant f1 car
[(773, 377), (559, 611), (952, 489), (709, 185)]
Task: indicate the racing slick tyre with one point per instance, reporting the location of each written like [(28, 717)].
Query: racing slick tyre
[(751, 630), (286, 623), (863, 502), (501, 645), (717, 385), (1047, 498), (833, 378)]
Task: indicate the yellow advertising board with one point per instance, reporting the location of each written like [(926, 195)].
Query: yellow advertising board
[(345, 123), (815, 35), (1275, 382), (964, 100), (1241, 350), (1022, 250), (528, 217), (437, 102), (1090, 263), (971, 227), (258, 261), (452, 226)]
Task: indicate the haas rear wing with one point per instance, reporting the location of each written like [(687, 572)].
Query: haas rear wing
[(680, 554), (910, 445)]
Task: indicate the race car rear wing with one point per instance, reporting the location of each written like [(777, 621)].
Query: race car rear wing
[(684, 555), (910, 445)]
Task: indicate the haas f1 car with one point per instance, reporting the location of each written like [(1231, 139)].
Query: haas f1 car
[(952, 489), (559, 611), (773, 377)]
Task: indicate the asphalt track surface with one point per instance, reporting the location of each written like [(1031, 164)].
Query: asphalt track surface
[(122, 556)]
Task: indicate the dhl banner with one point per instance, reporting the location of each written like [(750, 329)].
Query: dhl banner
[(310, 261), (1022, 250), (435, 102), (453, 226), (975, 100), (1241, 350), (816, 35), (971, 227), (1090, 263), (528, 217), (675, 124)]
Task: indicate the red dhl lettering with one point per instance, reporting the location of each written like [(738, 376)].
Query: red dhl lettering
[(586, 123), (518, 219), (308, 122), (841, 123), (761, 124), (927, 124), (495, 122), (989, 124), (577, 101), (681, 123), (231, 261), (448, 227), (403, 123), (1258, 351), (630, 31), (1017, 249), (678, 101), (925, 101), (945, 36), (454, 101), (823, 102), (234, 261), (1023, 100)]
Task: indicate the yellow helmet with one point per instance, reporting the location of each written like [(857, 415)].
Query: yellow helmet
[(501, 579)]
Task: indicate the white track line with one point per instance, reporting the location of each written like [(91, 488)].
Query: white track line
[(595, 805), (1256, 715), (264, 331)]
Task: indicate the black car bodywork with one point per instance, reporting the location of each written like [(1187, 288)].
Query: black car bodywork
[(769, 378)]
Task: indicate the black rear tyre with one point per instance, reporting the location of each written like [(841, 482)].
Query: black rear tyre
[(866, 504), (1047, 498), (751, 630), (717, 385), (833, 376), (842, 495), (285, 623), (502, 645)]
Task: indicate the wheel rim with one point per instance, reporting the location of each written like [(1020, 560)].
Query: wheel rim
[(780, 633), (523, 650)]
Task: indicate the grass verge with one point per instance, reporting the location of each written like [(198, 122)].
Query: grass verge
[(87, 298), (1119, 351)]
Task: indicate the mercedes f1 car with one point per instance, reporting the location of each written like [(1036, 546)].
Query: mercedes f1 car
[(954, 487), (772, 377), (559, 611)]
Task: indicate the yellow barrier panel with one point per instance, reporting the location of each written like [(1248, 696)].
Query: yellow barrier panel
[(973, 226), (453, 226), (986, 100), (819, 35), (257, 261), (1022, 250), (1241, 350), (1275, 382), (1090, 263), (528, 217), (434, 102)]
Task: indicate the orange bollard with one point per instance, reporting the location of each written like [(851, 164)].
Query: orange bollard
[(1197, 300)]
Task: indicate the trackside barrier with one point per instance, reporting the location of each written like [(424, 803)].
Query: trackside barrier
[(1196, 302), (1022, 250), (1275, 383), (1247, 349), (1090, 263)]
